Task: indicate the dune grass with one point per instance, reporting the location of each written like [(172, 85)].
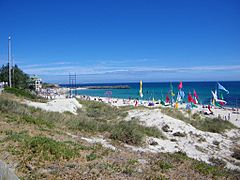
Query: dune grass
[(131, 132), (20, 92), (95, 117), (20, 113), (214, 125), (101, 111)]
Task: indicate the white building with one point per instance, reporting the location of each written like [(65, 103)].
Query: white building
[(36, 83)]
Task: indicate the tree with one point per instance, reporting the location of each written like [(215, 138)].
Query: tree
[(19, 78)]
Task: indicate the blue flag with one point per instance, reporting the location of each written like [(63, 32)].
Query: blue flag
[(222, 88)]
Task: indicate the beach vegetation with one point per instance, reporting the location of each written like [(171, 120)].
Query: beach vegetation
[(42, 147), (21, 113), (40, 142), (102, 111), (215, 125), (164, 162), (131, 132), (91, 157), (20, 92), (101, 117)]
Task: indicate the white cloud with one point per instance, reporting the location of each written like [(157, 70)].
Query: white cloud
[(65, 69)]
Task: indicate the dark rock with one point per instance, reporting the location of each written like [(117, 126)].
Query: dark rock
[(216, 143), (165, 128), (236, 154), (29, 167), (179, 134), (153, 143)]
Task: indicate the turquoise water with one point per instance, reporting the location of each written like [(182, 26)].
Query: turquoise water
[(159, 90)]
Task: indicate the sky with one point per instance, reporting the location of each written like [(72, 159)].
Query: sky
[(123, 40)]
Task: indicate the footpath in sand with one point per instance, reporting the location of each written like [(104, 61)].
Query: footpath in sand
[(58, 105)]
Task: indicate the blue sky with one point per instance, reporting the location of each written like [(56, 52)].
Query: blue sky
[(123, 40)]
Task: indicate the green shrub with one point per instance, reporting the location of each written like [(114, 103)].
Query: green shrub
[(207, 169), (37, 121), (43, 147), (128, 132), (20, 92), (131, 132), (48, 148), (91, 157), (164, 165), (90, 125)]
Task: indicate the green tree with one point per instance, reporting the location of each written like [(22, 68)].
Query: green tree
[(19, 78)]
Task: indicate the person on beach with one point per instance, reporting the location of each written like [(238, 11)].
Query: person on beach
[(209, 108), (136, 103)]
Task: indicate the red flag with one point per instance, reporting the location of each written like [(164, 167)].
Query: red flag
[(167, 99), (195, 94), (222, 103), (190, 99), (180, 85)]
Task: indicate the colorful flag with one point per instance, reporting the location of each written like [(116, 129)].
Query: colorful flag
[(182, 94), (221, 101), (190, 99), (167, 99), (140, 90), (222, 88), (171, 89), (180, 85), (195, 94), (179, 97)]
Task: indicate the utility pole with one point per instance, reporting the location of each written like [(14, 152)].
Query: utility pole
[(13, 82), (9, 62)]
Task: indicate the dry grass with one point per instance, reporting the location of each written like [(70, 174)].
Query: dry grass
[(214, 125)]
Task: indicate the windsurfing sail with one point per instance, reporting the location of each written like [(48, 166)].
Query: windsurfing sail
[(140, 89)]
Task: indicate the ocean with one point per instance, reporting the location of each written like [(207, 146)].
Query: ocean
[(160, 90)]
